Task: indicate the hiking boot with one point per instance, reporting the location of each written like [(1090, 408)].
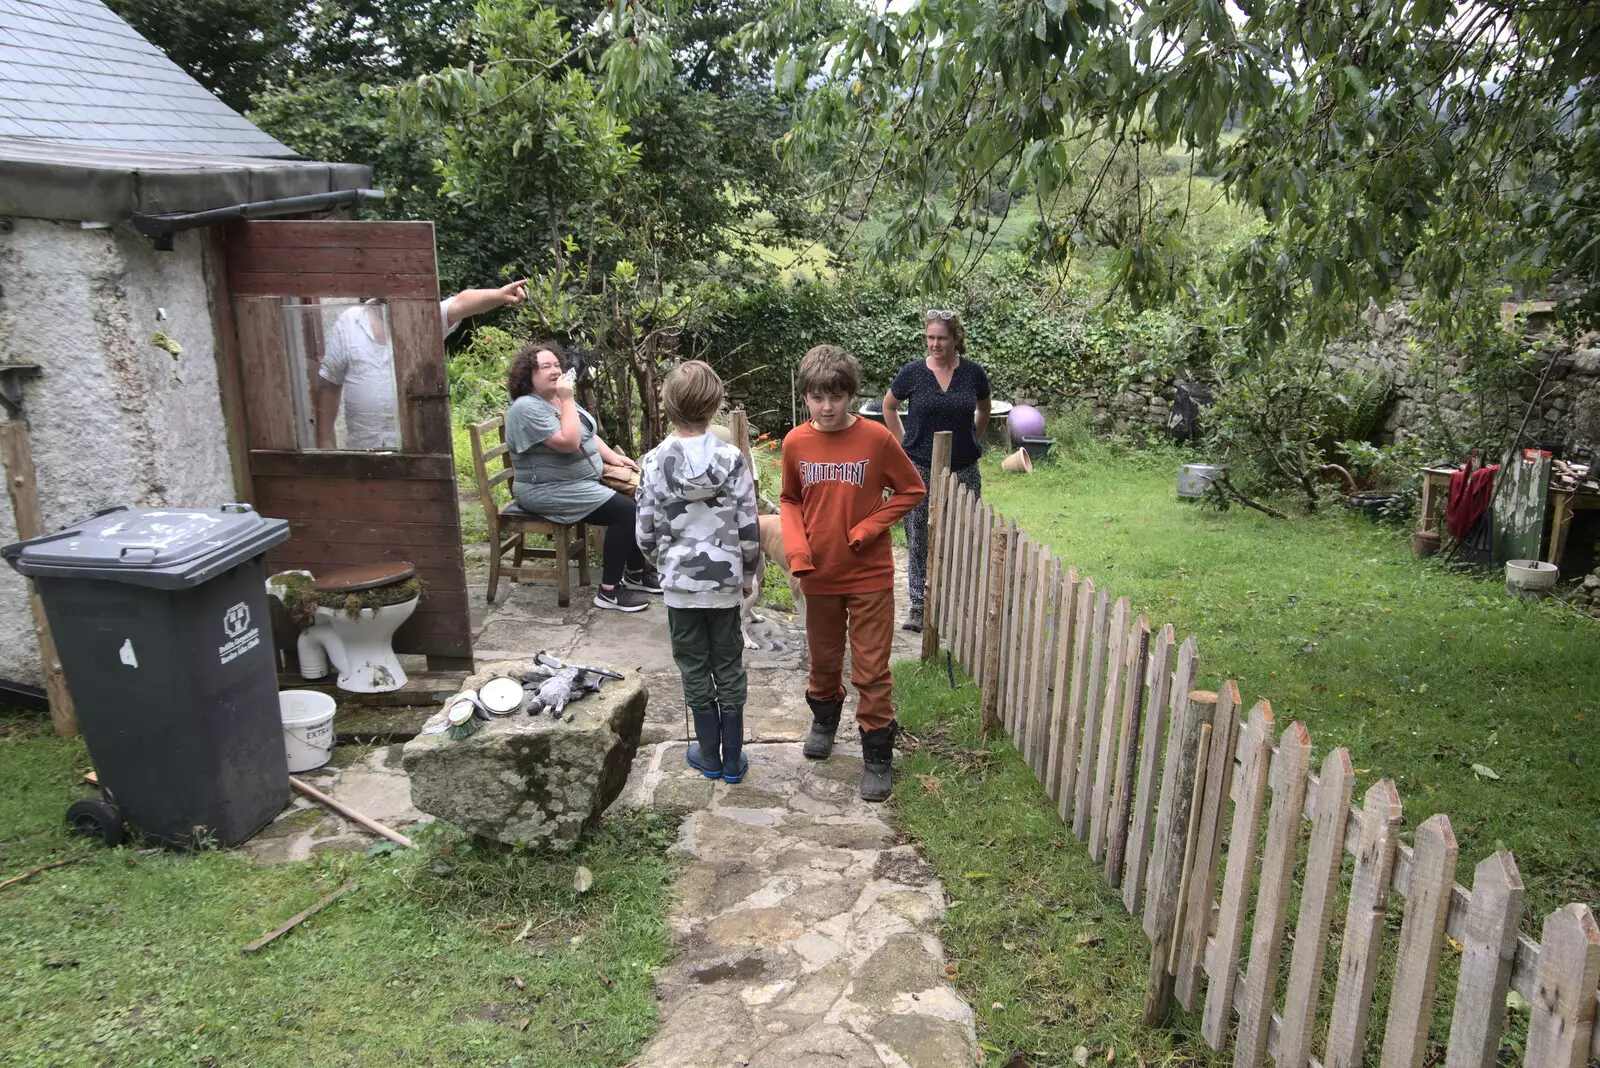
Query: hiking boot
[(646, 581), (620, 599), (734, 762), (913, 619), (824, 724), (705, 753), (877, 757)]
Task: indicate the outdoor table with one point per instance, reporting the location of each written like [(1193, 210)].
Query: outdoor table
[(1563, 504)]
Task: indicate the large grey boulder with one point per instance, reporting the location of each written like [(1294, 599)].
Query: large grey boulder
[(531, 779)]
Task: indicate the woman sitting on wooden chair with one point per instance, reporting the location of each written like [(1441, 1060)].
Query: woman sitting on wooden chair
[(558, 461)]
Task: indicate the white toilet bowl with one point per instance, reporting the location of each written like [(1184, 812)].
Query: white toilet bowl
[(359, 647)]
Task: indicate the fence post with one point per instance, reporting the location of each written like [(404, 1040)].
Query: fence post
[(936, 534), (1196, 908), (1002, 536), (1363, 926), (1564, 1008), (1416, 962), (1172, 832), (1489, 946), (739, 431)]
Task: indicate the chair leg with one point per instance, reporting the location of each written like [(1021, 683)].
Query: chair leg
[(516, 559), (494, 563), (583, 553), (562, 538)]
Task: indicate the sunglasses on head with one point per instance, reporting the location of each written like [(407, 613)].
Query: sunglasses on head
[(938, 313)]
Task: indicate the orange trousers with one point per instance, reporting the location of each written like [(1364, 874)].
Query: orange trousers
[(868, 620)]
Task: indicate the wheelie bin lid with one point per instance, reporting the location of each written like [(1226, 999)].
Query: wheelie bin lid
[(162, 548)]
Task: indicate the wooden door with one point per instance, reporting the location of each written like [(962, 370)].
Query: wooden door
[(293, 287)]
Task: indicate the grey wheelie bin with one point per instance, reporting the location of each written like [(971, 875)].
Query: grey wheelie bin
[(160, 619)]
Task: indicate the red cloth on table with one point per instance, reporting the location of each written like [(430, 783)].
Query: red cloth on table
[(1468, 498)]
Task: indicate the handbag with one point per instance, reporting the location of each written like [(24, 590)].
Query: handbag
[(624, 480)]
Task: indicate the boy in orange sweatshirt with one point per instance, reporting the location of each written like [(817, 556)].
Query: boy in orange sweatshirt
[(836, 520)]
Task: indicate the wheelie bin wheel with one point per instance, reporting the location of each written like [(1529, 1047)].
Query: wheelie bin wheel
[(96, 817)]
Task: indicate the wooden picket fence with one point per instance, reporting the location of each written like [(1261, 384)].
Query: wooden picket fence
[(1168, 787)]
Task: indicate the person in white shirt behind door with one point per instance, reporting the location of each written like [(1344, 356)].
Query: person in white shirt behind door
[(358, 367)]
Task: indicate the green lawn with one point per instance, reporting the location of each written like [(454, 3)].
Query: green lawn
[(1420, 671), (1037, 944), (133, 957)]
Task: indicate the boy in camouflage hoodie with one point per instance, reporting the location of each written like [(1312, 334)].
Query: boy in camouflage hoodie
[(697, 526)]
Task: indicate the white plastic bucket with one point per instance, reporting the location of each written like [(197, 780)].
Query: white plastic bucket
[(307, 728)]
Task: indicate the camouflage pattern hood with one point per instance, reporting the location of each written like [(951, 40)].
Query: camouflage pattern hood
[(697, 521)]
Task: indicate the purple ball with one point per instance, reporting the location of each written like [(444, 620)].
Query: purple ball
[(1025, 421)]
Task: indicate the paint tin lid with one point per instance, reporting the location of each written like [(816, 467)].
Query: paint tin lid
[(501, 695)]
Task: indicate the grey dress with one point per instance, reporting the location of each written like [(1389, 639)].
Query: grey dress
[(562, 487)]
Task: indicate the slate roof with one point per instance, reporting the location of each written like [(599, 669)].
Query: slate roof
[(73, 73)]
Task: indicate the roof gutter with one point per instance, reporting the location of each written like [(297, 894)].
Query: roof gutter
[(160, 228)]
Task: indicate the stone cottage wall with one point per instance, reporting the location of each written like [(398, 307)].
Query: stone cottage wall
[(112, 418)]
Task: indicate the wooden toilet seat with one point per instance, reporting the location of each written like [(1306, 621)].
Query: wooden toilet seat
[(364, 576)]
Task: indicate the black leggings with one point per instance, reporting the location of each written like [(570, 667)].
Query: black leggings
[(618, 516)]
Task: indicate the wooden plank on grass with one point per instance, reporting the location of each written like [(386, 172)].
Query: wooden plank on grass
[(1038, 652), (938, 482), (1044, 627), (1222, 956), (987, 539), (1272, 902), (1061, 684), (1082, 641), (1110, 712), (1488, 949), (1137, 661), (1363, 926), (968, 564), (1197, 790), (1320, 888), (1183, 750), (1015, 615), (1000, 537), (1160, 671), (973, 560), (1093, 695), (1213, 812), (1563, 1011), (1433, 873)]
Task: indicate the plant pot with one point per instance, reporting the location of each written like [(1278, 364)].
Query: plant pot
[(1038, 448), (1425, 542), (1018, 463)]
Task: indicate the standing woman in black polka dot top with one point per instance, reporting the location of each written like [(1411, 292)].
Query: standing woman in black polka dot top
[(945, 391)]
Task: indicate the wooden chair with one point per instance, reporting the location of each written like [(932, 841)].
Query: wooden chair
[(510, 526)]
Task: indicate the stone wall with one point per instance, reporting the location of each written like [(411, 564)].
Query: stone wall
[(112, 418)]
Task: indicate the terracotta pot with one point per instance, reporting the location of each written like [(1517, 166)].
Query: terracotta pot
[(1018, 463)]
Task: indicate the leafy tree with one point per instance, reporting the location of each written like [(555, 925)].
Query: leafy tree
[(1439, 138), (626, 161), (235, 48)]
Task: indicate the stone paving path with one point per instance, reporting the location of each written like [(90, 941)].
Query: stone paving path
[(806, 933)]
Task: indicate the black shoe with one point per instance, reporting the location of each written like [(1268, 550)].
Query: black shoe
[(913, 619), (824, 724), (734, 762), (877, 760), (620, 599), (646, 581)]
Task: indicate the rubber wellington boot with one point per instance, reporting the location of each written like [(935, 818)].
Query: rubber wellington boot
[(734, 762), (824, 725), (705, 753), (877, 757)]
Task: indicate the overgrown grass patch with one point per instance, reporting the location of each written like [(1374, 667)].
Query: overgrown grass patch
[(1478, 705), (133, 957), (1037, 943)]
